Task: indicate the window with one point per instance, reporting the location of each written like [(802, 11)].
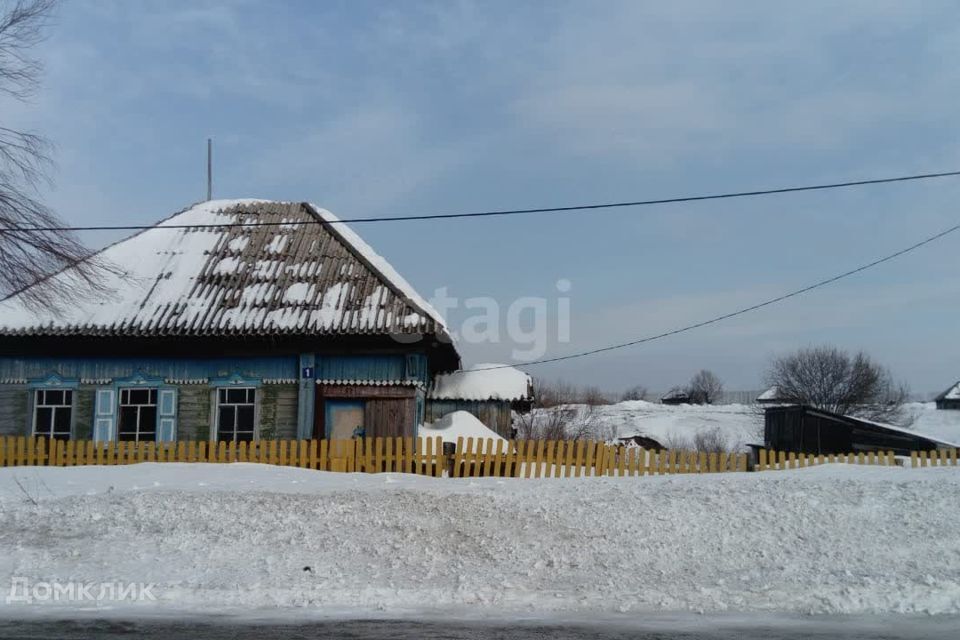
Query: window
[(138, 414), (235, 414), (52, 413)]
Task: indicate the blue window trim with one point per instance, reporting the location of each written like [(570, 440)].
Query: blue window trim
[(236, 379), (138, 380), (55, 382)]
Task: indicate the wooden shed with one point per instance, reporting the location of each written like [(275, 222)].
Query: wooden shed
[(676, 396), (949, 399), (491, 392), (803, 429)]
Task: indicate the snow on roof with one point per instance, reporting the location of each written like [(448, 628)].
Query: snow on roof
[(675, 393), (486, 381), (769, 394), (911, 432), (280, 278), (953, 393), (459, 424)]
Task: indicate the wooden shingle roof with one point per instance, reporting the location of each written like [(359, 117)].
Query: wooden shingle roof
[(284, 279)]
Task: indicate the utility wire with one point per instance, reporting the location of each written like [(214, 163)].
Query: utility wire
[(506, 212), (738, 312)]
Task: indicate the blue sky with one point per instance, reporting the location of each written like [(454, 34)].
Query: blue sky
[(393, 108)]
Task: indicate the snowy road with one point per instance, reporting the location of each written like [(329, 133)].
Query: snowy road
[(912, 629), (237, 538)]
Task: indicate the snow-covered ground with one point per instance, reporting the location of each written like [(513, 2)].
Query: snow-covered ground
[(740, 424), (237, 538)]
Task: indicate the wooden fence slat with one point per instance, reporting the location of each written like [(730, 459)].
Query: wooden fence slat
[(31, 452), (471, 457), (498, 460), (600, 460), (41, 452), (458, 458)]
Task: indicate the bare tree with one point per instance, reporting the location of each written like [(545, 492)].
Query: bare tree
[(708, 441), (594, 396), (638, 392), (704, 388), (831, 379), (552, 394), (28, 257)]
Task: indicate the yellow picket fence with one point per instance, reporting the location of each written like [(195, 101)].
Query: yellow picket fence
[(579, 458), (779, 460), (421, 456)]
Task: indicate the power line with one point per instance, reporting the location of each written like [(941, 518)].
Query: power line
[(508, 212), (739, 312)]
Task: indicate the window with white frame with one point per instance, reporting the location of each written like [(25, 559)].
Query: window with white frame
[(53, 413), (235, 414), (138, 415)]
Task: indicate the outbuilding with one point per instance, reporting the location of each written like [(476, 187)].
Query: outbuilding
[(803, 429), (949, 399), (489, 391)]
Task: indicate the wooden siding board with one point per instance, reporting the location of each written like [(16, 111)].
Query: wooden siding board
[(83, 405), (193, 412), (283, 367), (14, 420), (495, 414)]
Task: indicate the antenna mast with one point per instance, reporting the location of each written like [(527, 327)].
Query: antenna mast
[(209, 169)]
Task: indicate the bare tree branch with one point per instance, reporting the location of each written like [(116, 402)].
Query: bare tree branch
[(704, 388), (831, 379), (28, 258)]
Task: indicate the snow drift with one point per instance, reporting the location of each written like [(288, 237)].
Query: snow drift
[(237, 538)]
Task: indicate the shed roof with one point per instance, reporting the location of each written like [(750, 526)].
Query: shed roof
[(283, 279), (483, 382), (953, 393)]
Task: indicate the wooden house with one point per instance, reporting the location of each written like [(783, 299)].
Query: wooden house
[(803, 429), (676, 396), (290, 326), (949, 399), (491, 392), (772, 396)]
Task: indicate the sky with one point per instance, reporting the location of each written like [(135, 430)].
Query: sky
[(398, 108)]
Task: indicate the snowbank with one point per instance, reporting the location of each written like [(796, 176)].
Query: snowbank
[(741, 424), (458, 424), (236, 538), (943, 424)]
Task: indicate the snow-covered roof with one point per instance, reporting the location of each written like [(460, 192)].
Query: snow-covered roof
[(277, 278), (770, 394), (911, 432), (953, 393), (483, 382), (675, 394)]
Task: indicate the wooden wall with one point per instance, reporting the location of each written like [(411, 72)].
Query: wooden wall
[(495, 414), (278, 411), (13, 410)]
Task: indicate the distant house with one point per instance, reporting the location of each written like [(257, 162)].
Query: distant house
[(491, 392), (949, 399), (771, 396), (676, 396), (292, 327), (803, 429)]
